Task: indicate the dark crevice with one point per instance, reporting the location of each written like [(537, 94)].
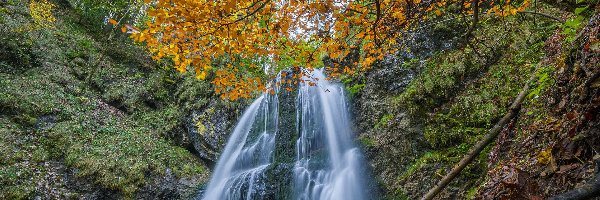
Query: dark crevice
[(118, 105)]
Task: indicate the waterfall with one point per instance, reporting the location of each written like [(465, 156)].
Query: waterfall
[(327, 165)]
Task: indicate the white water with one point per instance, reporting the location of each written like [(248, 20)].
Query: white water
[(328, 166)]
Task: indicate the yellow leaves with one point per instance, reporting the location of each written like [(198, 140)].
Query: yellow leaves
[(399, 16), (361, 34), (41, 12), (207, 67), (112, 21), (545, 156), (347, 69), (367, 62), (296, 33), (508, 9), (200, 74), (467, 4), (230, 85)]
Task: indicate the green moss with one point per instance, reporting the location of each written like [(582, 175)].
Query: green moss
[(471, 193), (18, 164), (482, 103), (366, 141), (542, 81), (385, 119), (160, 120), (426, 158), (192, 93), (399, 195), (462, 94), (121, 158), (355, 89), (200, 128), (354, 84), (70, 76), (440, 77)]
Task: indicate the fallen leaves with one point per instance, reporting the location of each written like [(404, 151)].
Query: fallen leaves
[(545, 156)]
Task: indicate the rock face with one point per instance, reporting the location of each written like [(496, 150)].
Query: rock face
[(209, 129), (418, 115), (61, 182), (391, 137)]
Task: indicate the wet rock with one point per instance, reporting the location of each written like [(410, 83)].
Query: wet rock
[(45, 122), (169, 187), (392, 138), (208, 129)]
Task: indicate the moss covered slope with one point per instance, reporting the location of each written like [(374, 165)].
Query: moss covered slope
[(82, 116), (415, 134)]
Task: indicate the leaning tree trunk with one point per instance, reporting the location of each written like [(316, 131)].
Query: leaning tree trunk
[(487, 139)]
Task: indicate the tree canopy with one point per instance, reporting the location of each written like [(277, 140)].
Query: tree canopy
[(239, 43)]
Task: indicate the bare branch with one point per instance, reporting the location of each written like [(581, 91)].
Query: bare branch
[(543, 14)]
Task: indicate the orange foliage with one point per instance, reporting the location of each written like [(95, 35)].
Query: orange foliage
[(193, 33)]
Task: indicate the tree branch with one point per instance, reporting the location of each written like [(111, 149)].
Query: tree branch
[(475, 20), (487, 139), (544, 15), (254, 12)]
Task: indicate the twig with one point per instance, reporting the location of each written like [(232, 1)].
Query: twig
[(543, 14)]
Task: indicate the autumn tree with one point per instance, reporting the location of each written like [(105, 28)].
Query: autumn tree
[(238, 44)]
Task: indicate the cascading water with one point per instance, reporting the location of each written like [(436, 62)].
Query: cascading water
[(327, 163), (249, 151)]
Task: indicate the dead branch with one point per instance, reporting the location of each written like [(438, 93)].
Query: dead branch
[(544, 15)]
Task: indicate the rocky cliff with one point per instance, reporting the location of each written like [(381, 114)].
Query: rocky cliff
[(417, 115)]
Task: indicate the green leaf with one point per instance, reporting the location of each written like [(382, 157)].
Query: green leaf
[(570, 23), (580, 10), (262, 24)]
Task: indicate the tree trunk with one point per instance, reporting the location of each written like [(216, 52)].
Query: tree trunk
[(487, 139)]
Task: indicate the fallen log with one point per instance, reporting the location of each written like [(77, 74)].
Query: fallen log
[(487, 139)]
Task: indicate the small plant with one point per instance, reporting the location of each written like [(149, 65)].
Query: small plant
[(383, 122), (355, 89), (41, 12), (571, 26), (366, 141), (543, 81)]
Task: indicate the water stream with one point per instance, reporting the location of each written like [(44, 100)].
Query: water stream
[(327, 165)]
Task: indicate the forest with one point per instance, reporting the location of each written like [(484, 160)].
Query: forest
[(293, 99)]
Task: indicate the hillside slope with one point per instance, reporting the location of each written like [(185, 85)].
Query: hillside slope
[(84, 116), (418, 117)]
